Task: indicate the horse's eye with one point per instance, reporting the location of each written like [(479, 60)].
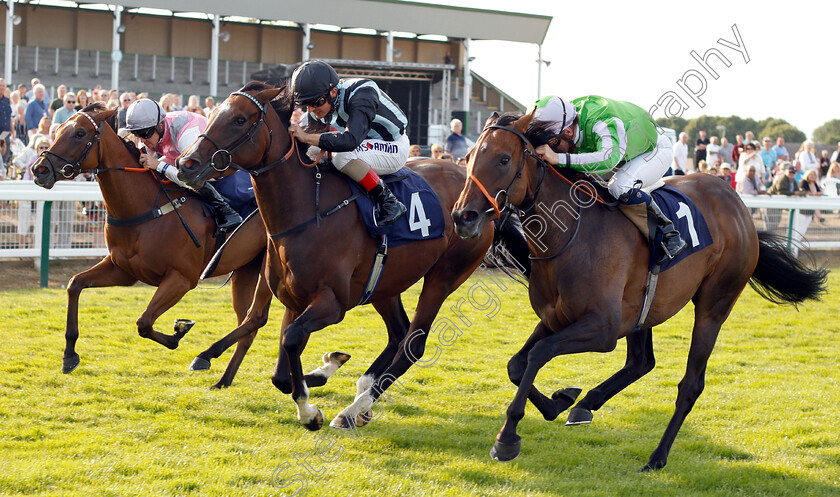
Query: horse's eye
[(80, 133), (240, 120), (505, 160)]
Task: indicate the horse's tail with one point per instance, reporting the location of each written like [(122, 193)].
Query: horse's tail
[(782, 278)]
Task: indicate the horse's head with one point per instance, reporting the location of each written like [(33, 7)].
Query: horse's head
[(236, 135), (495, 174), (70, 153)]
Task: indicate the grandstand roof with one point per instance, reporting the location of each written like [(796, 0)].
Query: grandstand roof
[(384, 15)]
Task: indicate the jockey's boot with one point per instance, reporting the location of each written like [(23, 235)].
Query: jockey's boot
[(226, 217), (390, 208), (672, 242)]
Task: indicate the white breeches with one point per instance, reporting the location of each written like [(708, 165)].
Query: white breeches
[(647, 168), (382, 156)]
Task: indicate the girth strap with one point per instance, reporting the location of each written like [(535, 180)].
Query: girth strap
[(148, 216)]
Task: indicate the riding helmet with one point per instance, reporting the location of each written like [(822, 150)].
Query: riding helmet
[(143, 114), (312, 80)]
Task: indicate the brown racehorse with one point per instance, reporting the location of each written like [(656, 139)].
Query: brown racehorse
[(158, 252), (319, 273), (588, 280)]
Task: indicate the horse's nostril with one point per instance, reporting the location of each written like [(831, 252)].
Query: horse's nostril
[(469, 216)]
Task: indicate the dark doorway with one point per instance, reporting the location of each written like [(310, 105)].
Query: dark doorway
[(413, 98)]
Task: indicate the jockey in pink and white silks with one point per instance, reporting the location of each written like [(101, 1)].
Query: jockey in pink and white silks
[(169, 134), (598, 135)]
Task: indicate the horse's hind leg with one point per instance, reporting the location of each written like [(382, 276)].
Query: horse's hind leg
[(640, 361), (712, 307), (103, 274), (170, 291)]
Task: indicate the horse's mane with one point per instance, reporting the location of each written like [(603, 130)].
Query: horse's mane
[(112, 122), (283, 103)]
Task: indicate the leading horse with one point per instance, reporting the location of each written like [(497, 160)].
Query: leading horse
[(319, 273), (153, 248), (589, 272)]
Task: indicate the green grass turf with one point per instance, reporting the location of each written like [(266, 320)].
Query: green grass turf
[(132, 420)]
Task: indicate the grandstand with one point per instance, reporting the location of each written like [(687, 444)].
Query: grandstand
[(424, 66)]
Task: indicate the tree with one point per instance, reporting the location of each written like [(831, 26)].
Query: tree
[(678, 124), (788, 131), (828, 133)]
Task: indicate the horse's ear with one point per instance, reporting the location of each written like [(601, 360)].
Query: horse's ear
[(106, 114), (268, 95), (522, 123), (492, 119)]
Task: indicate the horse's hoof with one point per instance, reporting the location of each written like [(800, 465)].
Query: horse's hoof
[(579, 416), (570, 393), (182, 326), (316, 423), (220, 385), (341, 422), (364, 418), (338, 357), (503, 451), (70, 363), (200, 364)]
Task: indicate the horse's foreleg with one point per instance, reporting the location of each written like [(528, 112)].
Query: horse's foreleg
[(170, 291), (585, 335), (323, 311), (550, 408), (640, 361), (243, 287), (103, 274), (255, 319)]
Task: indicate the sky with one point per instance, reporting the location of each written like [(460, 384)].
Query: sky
[(638, 51)]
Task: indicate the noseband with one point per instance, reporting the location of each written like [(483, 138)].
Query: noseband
[(74, 168)]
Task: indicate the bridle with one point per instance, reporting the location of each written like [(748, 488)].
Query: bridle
[(225, 155), (74, 168), (526, 153)]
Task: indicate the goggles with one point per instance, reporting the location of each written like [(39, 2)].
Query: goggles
[(314, 102), (145, 133)]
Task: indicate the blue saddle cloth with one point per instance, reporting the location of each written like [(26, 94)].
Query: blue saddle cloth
[(688, 220), (238, 191), (422, 221)]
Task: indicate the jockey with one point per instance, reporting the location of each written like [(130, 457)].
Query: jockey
[(597, 135), (169, 134), (370, 137)]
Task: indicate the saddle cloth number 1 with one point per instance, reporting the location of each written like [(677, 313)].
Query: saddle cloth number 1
[(685, 211)]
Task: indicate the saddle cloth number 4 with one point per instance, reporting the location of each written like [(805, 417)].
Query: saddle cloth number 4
[(417, 219), (685, 211)]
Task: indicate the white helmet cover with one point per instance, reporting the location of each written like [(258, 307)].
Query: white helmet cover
[(143, 114), (560, 113)]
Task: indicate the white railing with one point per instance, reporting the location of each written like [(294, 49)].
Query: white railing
[(17, 195), (775, 212)]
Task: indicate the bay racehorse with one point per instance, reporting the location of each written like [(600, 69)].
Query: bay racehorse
[(319, 273), (159, 250), (589, 272)]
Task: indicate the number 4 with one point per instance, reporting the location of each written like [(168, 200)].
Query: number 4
[(685, 211), (417, 219)]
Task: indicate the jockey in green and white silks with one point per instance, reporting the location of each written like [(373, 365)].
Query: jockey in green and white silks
[(598, 135)]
